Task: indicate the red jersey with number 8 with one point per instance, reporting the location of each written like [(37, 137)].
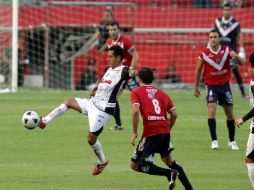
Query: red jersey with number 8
[(217, 65), (154, 106)]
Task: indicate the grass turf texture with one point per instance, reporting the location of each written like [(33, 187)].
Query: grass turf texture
[(59, 157)]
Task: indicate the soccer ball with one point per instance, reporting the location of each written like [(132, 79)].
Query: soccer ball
[(30, 119)]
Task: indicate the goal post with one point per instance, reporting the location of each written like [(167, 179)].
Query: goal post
[(14, 72)]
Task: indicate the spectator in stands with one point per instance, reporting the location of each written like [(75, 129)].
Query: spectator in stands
[(202, 3), (230, 35), (103, 34), (155, 76), (32, 2), (5, 66), (88, 78), (171, 76), (23, 61)]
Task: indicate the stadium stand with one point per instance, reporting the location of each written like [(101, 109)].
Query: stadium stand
[(184, 47)]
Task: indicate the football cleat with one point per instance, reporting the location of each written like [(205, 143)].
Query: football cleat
[(172, 179), (41, 123), (117, 127), (215, 145), (233, 145), (99, 168)]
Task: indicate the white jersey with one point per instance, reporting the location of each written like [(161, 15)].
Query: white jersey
[(250, 143), (108, 88), (251, 100)]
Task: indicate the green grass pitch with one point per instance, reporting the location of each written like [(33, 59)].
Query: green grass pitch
[(59, 158)]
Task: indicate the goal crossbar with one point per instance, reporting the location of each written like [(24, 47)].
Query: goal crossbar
[(85, 3)]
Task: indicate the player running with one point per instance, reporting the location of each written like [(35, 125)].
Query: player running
[(154, 104)]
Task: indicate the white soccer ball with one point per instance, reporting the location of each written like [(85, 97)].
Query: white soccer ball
[(30, 119)]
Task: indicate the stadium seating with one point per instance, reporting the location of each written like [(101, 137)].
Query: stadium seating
[(159, 14)]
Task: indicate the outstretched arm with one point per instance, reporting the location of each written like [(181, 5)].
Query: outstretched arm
[(249, 115)]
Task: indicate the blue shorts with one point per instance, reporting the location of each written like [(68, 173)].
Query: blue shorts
[(220, 94), (147, 147)]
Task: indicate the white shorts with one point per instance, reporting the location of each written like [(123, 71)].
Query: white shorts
[(250, 144), (96, 118)]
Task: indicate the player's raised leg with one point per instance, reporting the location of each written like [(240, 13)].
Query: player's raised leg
[(58, 111)]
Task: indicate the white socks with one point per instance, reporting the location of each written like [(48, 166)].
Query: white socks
[(99, 152), (55, 113), (250, 167)]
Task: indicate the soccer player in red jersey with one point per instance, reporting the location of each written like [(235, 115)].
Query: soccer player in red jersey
[(130, 60), (116, 39), (215, 60), (154, 104)]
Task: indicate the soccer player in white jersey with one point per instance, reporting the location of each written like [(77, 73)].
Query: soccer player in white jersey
[(99, 108), (250, 144)]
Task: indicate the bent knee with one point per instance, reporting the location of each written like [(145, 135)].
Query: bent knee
[(91, 138), (68, 101), (249, 160), (134, 166)]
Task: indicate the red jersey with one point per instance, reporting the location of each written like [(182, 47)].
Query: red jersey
[(217, 69), (124, 43), (154, 105)]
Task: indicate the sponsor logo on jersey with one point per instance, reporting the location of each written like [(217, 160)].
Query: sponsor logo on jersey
[(151, 92), (106, 81), (155, 118)]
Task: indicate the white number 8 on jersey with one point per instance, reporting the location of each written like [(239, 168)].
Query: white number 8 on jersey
[(156, 105)]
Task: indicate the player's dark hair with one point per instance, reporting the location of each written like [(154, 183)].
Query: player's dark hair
[(117, 51), (252, 59), (227, 5), (146, 75), (113, 23), (214, 31)]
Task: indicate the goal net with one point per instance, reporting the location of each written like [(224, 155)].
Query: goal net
[(60, 41)]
